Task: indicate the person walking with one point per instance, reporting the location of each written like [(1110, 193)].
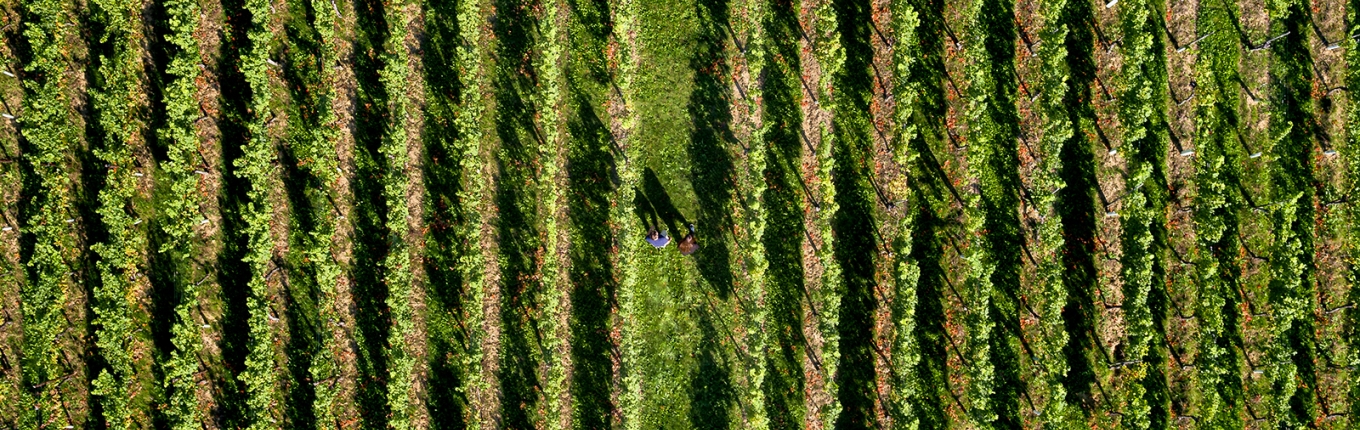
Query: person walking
[(688, 244)]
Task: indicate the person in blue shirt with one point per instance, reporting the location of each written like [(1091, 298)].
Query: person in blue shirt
[(658, 239)]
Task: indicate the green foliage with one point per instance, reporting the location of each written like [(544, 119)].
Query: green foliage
[(121, 255), (908, 389), (1293, 294), (53, 136), (1066, 114), (550, 57), (755, 315), (257, 166), (993, 256), (180, 210), (630, 295), (468, 119), (1142, 114), (396, 185), (1218, 203), (1351, 155)]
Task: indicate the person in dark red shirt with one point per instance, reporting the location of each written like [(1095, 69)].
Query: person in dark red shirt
[(688, 244)]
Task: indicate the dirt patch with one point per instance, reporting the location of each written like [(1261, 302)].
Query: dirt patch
[(11, 270)]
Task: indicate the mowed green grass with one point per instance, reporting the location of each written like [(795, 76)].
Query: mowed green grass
[(683, 304)]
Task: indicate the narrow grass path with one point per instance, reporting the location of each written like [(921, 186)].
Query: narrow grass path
[(591, 180), (783, 204), (679, 354)]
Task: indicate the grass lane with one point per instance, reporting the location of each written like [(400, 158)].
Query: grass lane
[(452, 180), (783, 203), (591, 169), (678, 311)]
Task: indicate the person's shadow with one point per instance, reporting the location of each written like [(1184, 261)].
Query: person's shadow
[(652, 204)]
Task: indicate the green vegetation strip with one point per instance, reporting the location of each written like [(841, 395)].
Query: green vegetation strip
[(992, 318), (53, 138), (1293, 293), (1065, 349), (1218, 159), (826, 300), (453, 264), (751, 222), (920, 386), (593, 215), (468, 119), (631, 343), (396, 185), (912, 77), (550, 95), (1142, 113), (776, 66), (1351, 155), (178, 206), (257, 165), (120, 387), (313, 317), (1062, 127), (854, 230)]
